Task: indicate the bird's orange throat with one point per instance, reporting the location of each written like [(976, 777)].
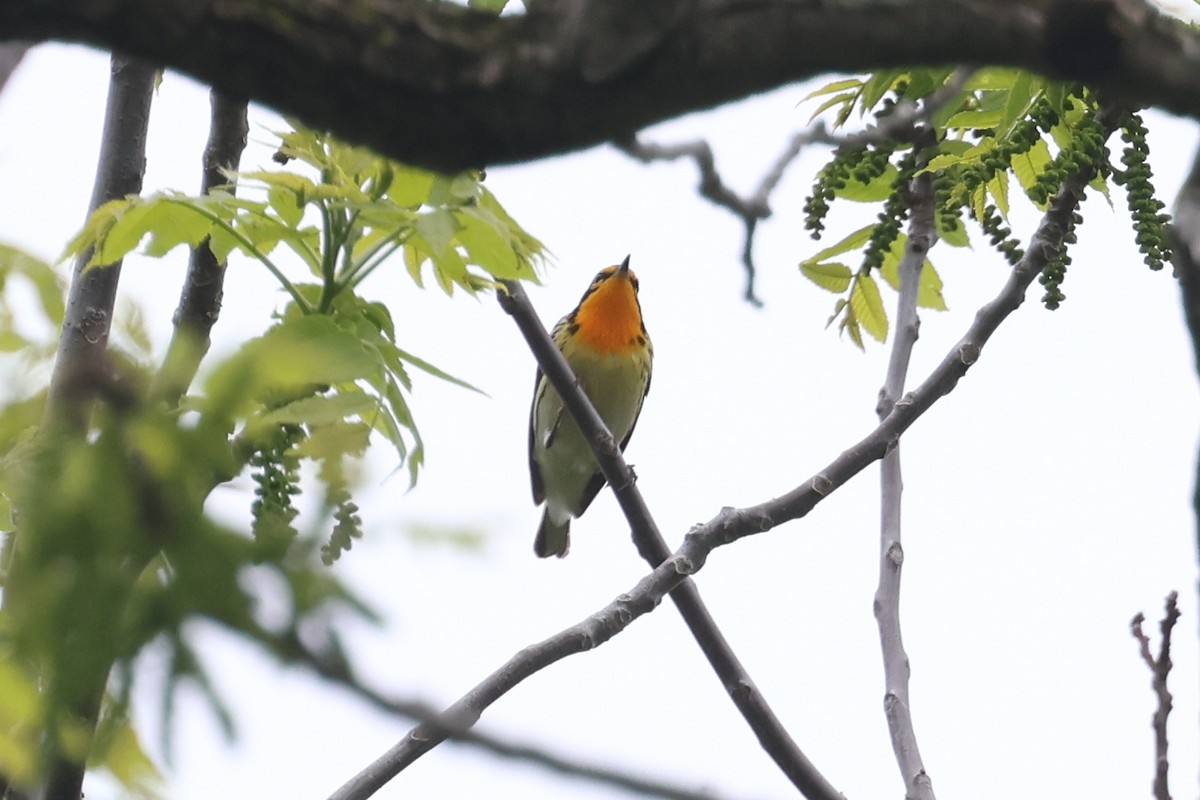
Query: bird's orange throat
[(610, 319)]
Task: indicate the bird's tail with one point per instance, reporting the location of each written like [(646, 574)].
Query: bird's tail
[(553, 538)]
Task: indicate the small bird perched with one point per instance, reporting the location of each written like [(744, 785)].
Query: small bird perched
[(605, 342)]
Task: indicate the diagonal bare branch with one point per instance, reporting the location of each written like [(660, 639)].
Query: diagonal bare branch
[(730, 524), (653, 549)]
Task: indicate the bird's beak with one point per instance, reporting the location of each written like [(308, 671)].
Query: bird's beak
[(624, 267)]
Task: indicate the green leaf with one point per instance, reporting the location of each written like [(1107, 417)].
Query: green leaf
[(287, 204), (830, 276), (45, 280), (955, 236), (487, 243), (437, 228), (877, 86), (1028, 166), (975, 119), (867, 306), (929, 294), (425, 366), (301, 351), (998, 189), (993, 78), (929, 287), (410, 186), (845, 99), (959, 153), (850, 326), (1100, 185), (1020, 97), (833, 87), (878, 189), (850, 242), (323, 409), (493, 6)]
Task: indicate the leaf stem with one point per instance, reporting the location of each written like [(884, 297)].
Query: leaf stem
[(251, 249)]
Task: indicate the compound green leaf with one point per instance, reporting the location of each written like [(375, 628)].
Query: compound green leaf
[(867, 305), (832, 277)]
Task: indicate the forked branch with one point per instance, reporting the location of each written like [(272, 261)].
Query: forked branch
[(1160, 669)]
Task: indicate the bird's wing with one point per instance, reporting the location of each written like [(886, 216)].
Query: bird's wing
[(598, 480), (535, 472)]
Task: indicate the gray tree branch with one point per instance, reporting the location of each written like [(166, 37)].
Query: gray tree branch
[(1185, 256), (80, 366), (200, 298), (439, 85), (11, 54), (922, 235), (1160, 670)]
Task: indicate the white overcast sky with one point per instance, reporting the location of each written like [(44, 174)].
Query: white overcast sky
[(1047, 498)]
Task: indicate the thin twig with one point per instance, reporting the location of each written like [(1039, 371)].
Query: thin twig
[(922, 235), (731, 524), (902, 124), (1160, 668), (200, 298), (78, 366)]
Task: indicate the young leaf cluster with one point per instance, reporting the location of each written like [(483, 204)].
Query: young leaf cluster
[(109, 546), (1002, 125)]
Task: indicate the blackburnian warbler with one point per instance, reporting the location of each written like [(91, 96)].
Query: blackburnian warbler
[(605, 342)]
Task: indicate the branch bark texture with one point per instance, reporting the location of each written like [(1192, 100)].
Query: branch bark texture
[(200, 299), (79, 365), (443, 86)]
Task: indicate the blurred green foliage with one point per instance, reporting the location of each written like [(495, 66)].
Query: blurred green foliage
[(109, 545)]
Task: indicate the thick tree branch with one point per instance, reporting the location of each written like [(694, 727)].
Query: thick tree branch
[(732, 524), (1160, 669), (200, 299), (80, 363), (922, 235), (11, 54), (1185, 255), (442, 86)]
